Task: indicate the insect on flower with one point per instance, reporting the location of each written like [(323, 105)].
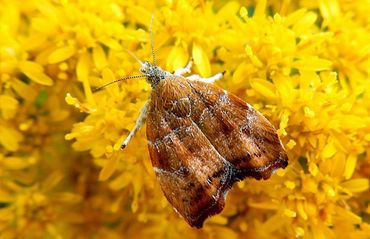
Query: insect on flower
[(202, 139)]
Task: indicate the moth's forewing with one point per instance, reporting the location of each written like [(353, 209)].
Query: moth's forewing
[(201, 140), (242, 135), (192, 174)]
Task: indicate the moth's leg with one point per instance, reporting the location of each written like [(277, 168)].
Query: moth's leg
[(186, 69), (139, 122), (206, 80)]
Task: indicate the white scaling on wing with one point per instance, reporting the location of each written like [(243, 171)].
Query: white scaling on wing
[(208, 109), (174, 104), (201, 118), (168, 137), (224, 98), (155, 144), (164, 171), (251, 118), (245, 128), (186, 128), (176, 173)]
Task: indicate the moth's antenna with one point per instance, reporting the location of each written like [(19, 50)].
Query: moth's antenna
[(133, 55), (115, 81), (151, 39)]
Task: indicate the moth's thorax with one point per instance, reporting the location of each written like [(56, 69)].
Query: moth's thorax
[(154, 74), (171, 91)]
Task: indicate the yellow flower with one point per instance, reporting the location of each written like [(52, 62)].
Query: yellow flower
[(304, 64)]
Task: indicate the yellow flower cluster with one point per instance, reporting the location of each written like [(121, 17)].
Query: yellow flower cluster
[(304, 64)]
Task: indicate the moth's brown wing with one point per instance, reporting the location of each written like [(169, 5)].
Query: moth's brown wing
[(239, 133), (193, 175)]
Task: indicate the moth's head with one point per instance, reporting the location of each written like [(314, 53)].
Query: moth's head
[(154, 74), (150, 71)]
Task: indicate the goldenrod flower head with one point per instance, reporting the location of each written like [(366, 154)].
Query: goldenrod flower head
[(304, 64)]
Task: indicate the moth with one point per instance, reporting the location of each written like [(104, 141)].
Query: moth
[(202, 139)]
